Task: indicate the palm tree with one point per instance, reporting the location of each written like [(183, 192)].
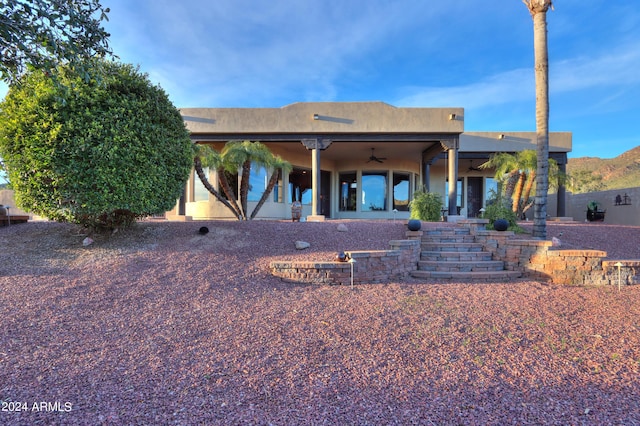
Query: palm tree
[(239, 156), (278, 167), (517, 174), (513, 172), (207, 157), (538, 10)]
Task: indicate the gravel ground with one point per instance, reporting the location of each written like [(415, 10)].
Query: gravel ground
[(160, 325)]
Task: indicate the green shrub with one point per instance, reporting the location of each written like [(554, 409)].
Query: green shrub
[(426, 206), (499, 207), (99, 152)]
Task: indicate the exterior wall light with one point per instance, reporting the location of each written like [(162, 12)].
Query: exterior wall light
[(316, 117), (452, 117), (501, 136)]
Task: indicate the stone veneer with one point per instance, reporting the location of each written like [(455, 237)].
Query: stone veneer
[(536, 259), (374, 266)]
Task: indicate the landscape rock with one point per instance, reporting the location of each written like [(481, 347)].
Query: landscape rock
[(342, 228), (301, 245)]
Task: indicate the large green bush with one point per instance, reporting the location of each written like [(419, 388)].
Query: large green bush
[(98, 152), (426, 206)]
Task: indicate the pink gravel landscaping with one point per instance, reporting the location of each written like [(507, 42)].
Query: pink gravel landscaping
[(161, 325)]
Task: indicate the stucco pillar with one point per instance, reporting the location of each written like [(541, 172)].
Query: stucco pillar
[(452, 147), (562, 195), (316, 145), (427, 176)]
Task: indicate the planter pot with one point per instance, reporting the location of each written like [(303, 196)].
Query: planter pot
[(414, 225), (501, 224)]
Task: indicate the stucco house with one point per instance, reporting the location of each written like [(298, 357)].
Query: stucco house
[(359, 160)]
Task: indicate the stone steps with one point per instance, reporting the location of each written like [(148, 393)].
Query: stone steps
[(452, 254)]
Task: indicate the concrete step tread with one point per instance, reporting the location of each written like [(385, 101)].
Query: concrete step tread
[(458, 266), (455, 255), (468, 276), (449, 247)]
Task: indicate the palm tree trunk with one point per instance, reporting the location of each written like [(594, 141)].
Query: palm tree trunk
[(226, 188), (538, 9), (272, 183), (244, 187), (517, 193), (197, 163), (527, 191)]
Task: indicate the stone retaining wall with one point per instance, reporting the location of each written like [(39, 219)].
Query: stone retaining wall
[(536, 259), (373, 266)]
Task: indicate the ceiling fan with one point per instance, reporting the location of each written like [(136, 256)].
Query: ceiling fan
[(473, 169), (374, 158)]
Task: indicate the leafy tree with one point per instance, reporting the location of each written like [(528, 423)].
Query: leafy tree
[(538, 10), (100, 152), (239, 156), (44, 33)]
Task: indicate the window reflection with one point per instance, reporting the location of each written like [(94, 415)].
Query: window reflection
[(300, 185), (401, 191), (348, 191), (374, 191)]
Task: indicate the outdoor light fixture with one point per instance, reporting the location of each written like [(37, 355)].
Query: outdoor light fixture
[(452, 116), (501, 136), (316, 117)]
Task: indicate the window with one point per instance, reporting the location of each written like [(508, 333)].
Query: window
[(490, 189), (258, 179), (300, 185), (401, 191), (459, 194), (374, 191), (200, 193), (278, 193), (348, 191)]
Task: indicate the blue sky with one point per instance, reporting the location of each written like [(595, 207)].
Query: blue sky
[(463, 53)]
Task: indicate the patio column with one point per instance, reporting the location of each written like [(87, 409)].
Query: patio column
[(561, 202), (316, 145), (452, 146)]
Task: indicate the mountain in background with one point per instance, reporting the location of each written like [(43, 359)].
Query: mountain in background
[(588, 174)]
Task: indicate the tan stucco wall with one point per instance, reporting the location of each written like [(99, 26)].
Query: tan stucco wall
[(348, 117), (512, 141), (576, 206), (6, 199)]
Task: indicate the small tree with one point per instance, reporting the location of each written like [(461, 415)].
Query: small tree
[(100, 152)]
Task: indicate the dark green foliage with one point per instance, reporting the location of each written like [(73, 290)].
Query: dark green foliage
[(499, 207), (99, 153), (41, 34), (426, 206)]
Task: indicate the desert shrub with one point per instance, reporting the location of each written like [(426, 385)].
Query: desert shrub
[(99, 152), (426, 206)]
